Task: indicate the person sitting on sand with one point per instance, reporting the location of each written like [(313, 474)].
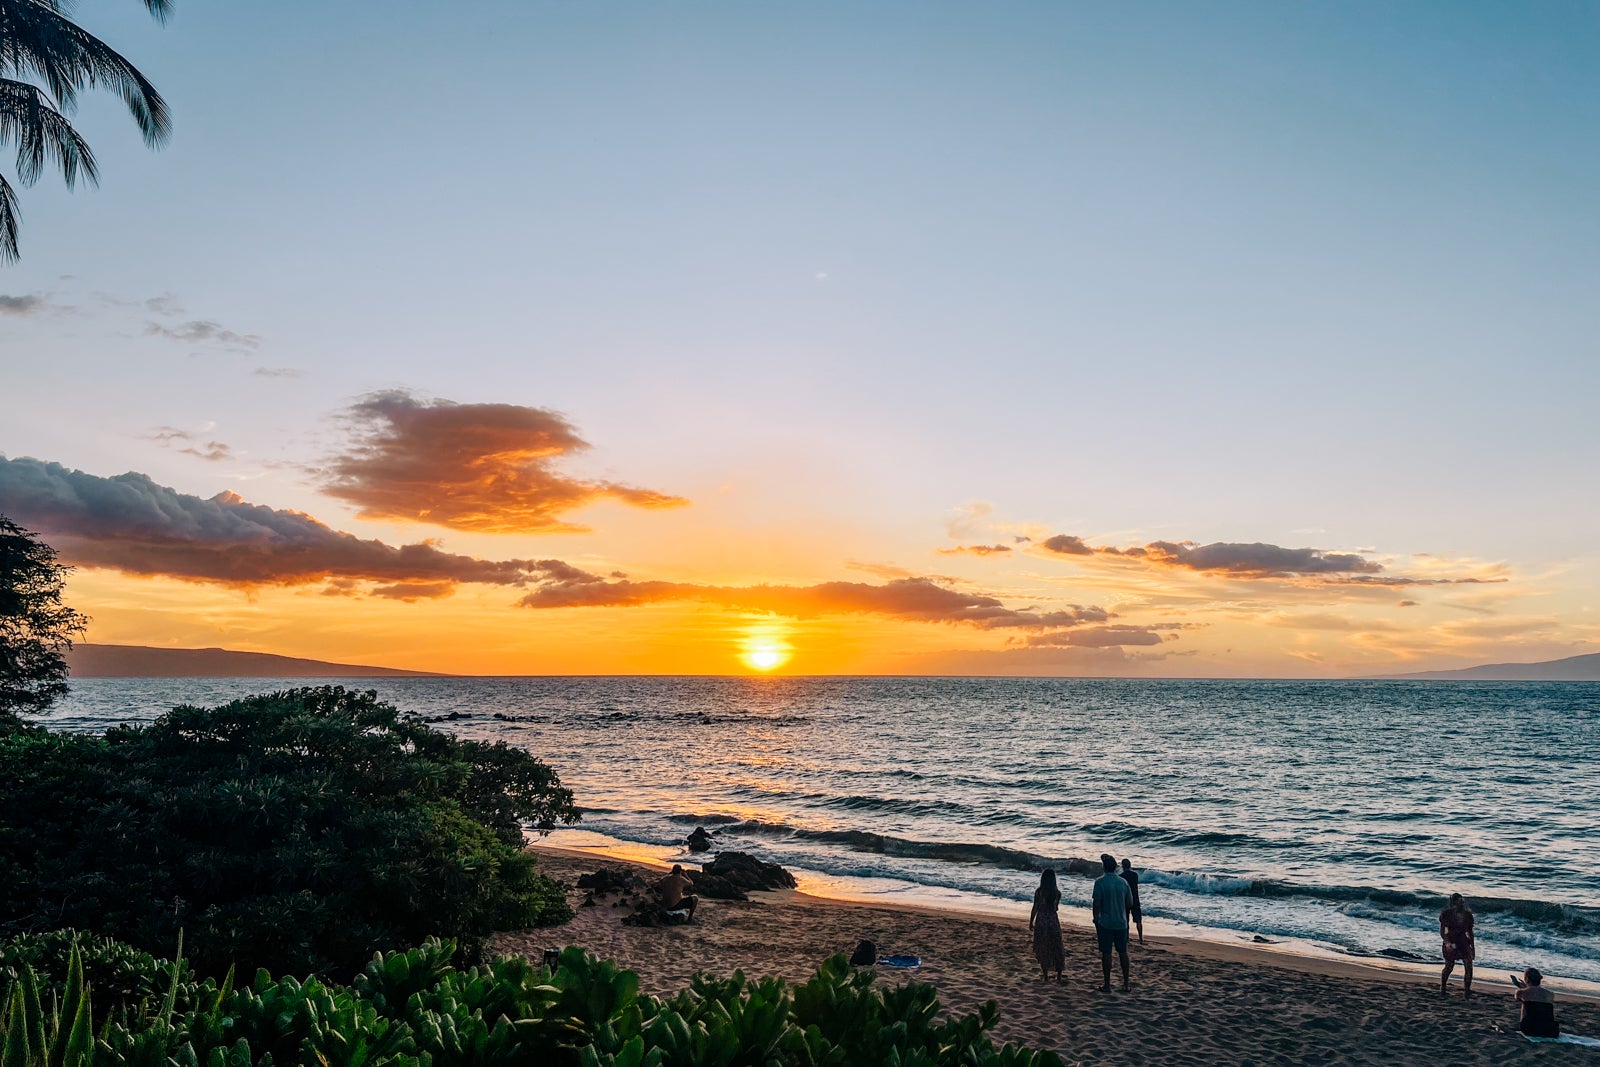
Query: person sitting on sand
[(1131, 876), (1538, 1006), (674, 890), (1455, 930), (1046, 926), (1112, 902)]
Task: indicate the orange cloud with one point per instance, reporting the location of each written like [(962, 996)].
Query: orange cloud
[(975, 550), (482, 467), (916, 599)]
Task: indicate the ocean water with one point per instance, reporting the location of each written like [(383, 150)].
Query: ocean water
[(1332, 815)]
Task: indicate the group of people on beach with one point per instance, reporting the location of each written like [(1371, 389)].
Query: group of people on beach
[(1536, 1003), (1115, 902)]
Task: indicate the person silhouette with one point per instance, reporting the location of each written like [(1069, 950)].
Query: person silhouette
[(1110, 906), (1131, 876), (1455, 930), (1045, 923)]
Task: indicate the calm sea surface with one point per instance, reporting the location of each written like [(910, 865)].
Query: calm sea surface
[(1334, 814)]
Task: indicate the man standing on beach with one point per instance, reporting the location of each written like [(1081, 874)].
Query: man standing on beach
[(1112, 902), (1131, 876)]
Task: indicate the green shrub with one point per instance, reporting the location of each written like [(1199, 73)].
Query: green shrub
[(300, 831), (418, 1009)]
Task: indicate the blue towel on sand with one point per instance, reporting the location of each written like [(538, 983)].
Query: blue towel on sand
[(1566, 1039), (900, 961)]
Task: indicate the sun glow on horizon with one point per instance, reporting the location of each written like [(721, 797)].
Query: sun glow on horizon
[(765, 649)]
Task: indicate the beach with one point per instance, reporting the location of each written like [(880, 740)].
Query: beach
[(1192, 1002)]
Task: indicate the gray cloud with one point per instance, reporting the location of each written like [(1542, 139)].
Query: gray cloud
[(204, 332), (22, 305), (1104, 637), (1253, 560), (188, 444), (916, 599), (129, 523)]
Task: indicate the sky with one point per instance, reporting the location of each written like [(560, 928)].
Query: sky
[(1226, 339)]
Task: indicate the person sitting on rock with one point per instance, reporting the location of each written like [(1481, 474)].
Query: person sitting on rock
[(674, 891)]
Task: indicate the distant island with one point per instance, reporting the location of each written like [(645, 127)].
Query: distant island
[(141, 661), (1585, 668)]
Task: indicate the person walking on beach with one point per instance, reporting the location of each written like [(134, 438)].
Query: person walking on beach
[(1455, 930), (1046, 926), (1131, 876), (1112, 902)]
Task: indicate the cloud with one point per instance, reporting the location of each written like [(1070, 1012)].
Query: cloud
[(204, 332), (277, 372), (165, 304), (22, 305), (131, 524), (975, 550), (1066, 545), (968, 520), (913, 599), (1103, 637), (1253, 561), (171, 436), (481, 467)]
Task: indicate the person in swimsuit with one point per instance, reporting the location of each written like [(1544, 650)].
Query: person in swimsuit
[(674, 890), (1455, 930), (1045, 924), (1131, 876), (1538, 1006)]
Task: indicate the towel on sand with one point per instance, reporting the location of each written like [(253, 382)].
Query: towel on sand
[(900, 961)]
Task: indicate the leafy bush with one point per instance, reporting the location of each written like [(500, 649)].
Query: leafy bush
[(417, 1008), (301, 831)]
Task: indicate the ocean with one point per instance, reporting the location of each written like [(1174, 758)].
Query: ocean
[(1327, 816)]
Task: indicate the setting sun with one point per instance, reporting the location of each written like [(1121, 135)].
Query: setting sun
[(764, 656)]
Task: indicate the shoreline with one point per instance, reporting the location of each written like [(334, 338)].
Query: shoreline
[(1192, 1002), (1220, 948)]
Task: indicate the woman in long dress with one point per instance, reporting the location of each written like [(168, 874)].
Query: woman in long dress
[(1455, 930), (1046, 927)]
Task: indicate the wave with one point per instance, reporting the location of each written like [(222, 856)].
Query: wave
[(1357, 901)]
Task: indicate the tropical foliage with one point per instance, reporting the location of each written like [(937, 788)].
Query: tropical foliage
[(300, 831), (46, 61), (417, 1009), (36, 628)]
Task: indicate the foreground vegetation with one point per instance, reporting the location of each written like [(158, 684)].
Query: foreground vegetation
[(299, 831), (74, 1000)]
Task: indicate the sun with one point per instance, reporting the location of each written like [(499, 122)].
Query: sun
[(764, 655)]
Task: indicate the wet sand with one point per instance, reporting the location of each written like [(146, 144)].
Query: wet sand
[(1192, 1002)]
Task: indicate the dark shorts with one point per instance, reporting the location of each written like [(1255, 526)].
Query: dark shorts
[(1109, 939)]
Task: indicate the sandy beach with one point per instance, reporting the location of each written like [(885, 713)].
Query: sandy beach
[(1192, 1002)]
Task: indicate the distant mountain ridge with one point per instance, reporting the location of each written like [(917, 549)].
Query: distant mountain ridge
[(141, 661), (1584, 668)]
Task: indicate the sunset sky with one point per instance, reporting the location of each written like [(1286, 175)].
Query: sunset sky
[(524, 338)]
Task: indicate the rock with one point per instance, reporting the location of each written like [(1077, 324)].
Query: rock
[(747, 872), (712, 887), (699, 841), (612, 880)]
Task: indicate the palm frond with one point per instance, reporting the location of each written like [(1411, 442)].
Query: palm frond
[(42, 135), (10, 221), (37, 40)]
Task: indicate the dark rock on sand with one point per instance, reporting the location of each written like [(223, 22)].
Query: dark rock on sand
[(612, 880), (699, 841), (713, 887), (747, 872)]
